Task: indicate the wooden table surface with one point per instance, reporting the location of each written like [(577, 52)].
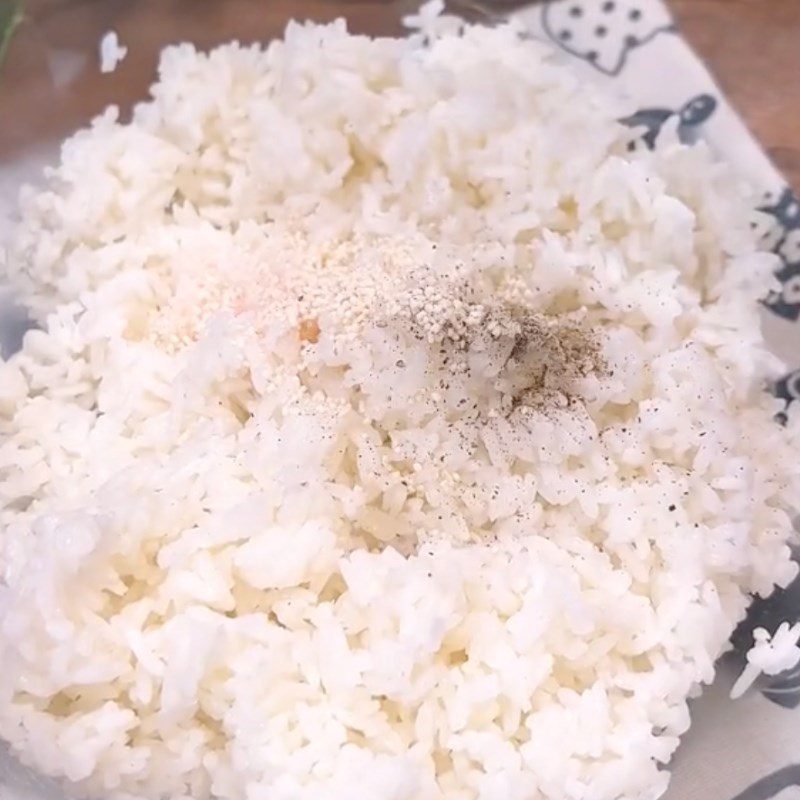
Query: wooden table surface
[(752, 46)]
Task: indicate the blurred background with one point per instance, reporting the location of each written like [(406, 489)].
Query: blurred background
[(50, 82)]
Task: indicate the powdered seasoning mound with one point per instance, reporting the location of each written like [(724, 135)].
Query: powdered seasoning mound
[(392, 432)]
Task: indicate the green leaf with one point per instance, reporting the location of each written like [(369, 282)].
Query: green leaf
[(11, 15)]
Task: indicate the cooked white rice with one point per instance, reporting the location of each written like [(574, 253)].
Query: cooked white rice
[(111, 52), (771, 654), (394, 432)]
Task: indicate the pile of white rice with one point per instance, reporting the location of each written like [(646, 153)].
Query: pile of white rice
[(394, 431)]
